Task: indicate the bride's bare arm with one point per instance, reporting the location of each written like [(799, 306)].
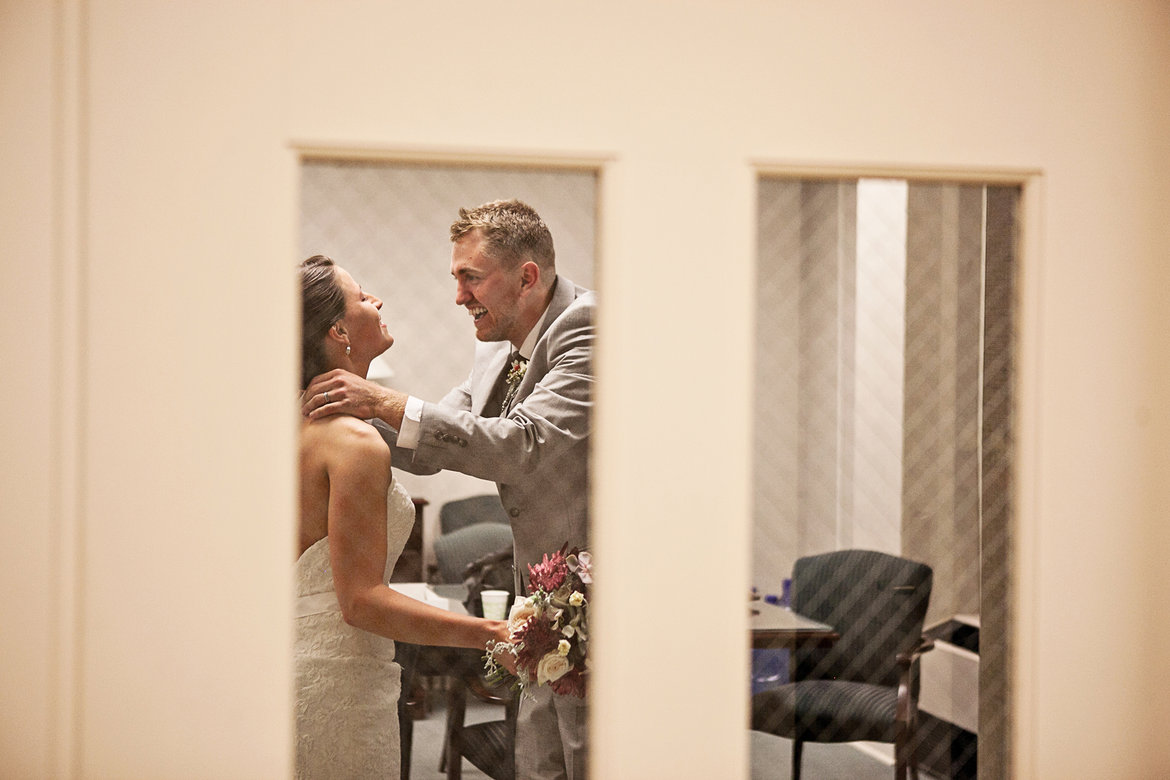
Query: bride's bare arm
[(358, 468)]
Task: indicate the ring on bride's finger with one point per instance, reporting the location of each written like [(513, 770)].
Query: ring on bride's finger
[(326, 396)]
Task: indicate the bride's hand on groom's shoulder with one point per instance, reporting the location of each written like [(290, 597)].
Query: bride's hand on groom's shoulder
[(341, 392)]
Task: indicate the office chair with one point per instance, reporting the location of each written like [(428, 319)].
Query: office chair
[(490, 746), (463, 512), (456, 550), (864, 687)]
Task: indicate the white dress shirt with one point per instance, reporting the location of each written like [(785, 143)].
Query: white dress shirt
[(412, 416)]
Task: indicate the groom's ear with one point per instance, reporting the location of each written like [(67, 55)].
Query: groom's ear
[(529, 274)]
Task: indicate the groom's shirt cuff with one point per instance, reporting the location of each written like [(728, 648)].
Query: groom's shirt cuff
[(408, 432)]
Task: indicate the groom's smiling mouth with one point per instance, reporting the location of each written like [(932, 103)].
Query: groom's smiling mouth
[(477, 312)]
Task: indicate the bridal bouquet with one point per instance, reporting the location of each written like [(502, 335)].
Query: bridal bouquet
[(549, 629)]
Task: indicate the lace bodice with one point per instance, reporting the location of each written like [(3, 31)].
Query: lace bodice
[(314, 573), (347, 682)]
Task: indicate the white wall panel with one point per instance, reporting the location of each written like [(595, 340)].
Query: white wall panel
[(30, 341), (188, 180)]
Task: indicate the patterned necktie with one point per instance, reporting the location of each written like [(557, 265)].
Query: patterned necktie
[(517, 365)]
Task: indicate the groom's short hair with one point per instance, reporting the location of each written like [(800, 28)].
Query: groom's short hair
[(512, 231)]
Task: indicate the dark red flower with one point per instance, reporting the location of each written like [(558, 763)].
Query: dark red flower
[(537, 640), (549, 574), (572, 684)]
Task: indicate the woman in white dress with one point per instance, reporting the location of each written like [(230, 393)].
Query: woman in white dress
[(354, 521)]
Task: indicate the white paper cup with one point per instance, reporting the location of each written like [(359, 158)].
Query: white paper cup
[(495, 604)]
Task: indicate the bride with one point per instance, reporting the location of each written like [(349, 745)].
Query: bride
[(354, 521)]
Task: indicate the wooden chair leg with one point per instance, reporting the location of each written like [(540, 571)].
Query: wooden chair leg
[(900, 757), (406, 740), (912, 746), (797, 750), (456, 710), (446, 727)]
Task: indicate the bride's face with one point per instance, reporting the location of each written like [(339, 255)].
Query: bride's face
[(368, 335)]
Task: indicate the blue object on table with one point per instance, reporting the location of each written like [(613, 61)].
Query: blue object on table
[(769, 669), (770, 666)]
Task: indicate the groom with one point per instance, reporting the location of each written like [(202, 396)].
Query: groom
[(521, 419)]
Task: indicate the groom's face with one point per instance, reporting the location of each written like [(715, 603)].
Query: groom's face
[(488, 291)]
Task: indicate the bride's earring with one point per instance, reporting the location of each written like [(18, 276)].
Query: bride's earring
[(347, 350)]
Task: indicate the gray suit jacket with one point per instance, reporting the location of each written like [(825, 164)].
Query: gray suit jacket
[(538, 455)]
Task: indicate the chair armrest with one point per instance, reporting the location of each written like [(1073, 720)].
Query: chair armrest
[(905, 660), (491, 559), (906, 663)]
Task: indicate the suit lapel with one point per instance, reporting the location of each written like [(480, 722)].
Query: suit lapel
[(564, 293), (481, 393)]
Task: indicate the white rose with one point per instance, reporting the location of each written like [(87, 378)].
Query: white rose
[(563, 647), (552, 667), (520, 614), (577, 599)]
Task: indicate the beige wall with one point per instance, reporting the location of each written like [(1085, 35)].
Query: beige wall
[(28, 673), (153, 221)]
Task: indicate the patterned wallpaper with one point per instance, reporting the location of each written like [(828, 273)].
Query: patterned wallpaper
[(387, 224)]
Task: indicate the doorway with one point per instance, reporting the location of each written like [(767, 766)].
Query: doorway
[(883, 409)]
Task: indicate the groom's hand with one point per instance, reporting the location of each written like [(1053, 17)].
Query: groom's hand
[(341, 392)]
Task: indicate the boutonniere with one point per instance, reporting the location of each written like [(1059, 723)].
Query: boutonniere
[(516, 372)]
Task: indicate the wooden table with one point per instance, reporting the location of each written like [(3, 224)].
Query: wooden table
[(773, 626)]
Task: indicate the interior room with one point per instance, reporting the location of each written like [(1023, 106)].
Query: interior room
[(883, 411), (390, 223), (154, 215)]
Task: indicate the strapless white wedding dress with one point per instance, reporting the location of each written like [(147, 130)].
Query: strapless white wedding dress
[(347, 684)]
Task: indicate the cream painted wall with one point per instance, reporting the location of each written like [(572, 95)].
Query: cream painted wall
[(163, 160), (29, 336)]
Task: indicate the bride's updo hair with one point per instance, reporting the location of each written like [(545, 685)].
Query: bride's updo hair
[(322, 304)]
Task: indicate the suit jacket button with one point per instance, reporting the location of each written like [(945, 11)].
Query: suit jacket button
[(514, 512)]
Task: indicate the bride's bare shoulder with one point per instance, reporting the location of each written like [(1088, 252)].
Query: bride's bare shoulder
[(342, 435)]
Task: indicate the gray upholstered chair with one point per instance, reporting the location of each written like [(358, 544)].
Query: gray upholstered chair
[(461, 554), (457, 550), (463, 512), (864, 687)]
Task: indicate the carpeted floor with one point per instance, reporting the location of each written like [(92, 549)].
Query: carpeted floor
[(428, 737), (771, 759)]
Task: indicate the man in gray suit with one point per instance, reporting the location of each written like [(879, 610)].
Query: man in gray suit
[(521, 419)]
